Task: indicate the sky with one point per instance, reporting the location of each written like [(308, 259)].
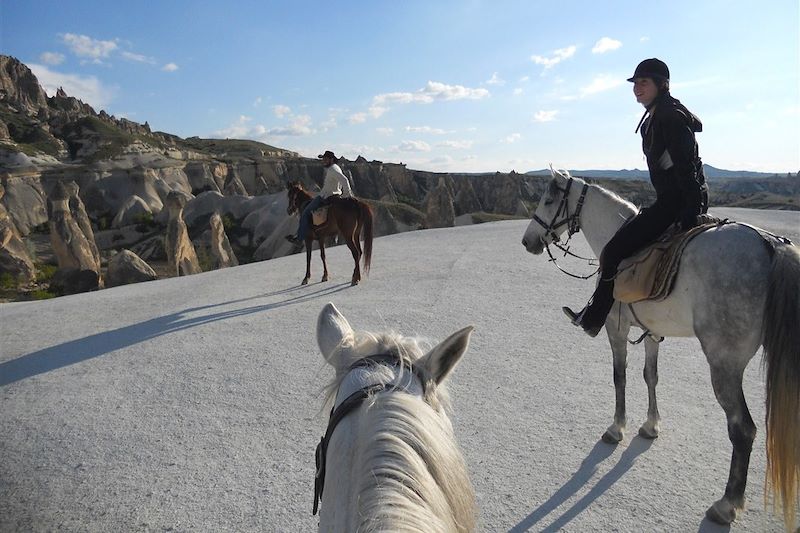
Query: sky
[(454, 86)]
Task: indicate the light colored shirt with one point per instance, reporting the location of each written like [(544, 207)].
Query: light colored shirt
[(335, 183)]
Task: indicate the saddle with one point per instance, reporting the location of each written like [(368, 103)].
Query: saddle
[(650, 273)]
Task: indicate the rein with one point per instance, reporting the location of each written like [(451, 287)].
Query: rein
[(573, 227), (348, 405)]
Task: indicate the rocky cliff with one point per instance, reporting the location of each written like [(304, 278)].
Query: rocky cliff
[(125, 172)]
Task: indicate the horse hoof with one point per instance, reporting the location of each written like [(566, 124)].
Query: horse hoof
[(324, 278), (722, 512), (612, 436), (648, 432), (354, 283), (304, 282)]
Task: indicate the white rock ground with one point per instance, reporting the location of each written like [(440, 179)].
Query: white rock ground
[(193, 404)]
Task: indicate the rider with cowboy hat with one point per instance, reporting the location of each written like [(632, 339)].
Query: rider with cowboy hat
[(335, 185)]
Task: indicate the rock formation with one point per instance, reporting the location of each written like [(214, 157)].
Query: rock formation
[(78, 212), (181, 255), (14, 257), (131, 212), (127, 267), (70, 245), (438, 207), (221, 249)]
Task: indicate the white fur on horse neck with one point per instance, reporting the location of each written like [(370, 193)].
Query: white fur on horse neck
[(393, 464)]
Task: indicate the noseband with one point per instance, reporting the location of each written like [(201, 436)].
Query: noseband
[(350, 404), (573, 223)]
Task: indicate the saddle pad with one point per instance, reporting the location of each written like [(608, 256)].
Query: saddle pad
[(650, 274), (319, 216)]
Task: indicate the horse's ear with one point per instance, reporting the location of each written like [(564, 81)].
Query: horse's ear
[(332, 329), (440, 361)]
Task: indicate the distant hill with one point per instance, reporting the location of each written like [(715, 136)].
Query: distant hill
[(711, 172)]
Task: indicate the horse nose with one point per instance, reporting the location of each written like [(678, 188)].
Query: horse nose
[(525, 242)]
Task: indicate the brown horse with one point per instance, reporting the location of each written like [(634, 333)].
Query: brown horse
[(347, 217)]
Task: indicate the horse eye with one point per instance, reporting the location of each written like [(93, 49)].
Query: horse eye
[(548, 201)]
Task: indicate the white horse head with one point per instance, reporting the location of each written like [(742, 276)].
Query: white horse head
[(565, 204), (551, 218), (391, 461)]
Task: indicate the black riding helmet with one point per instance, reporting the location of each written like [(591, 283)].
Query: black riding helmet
[(651, 68)]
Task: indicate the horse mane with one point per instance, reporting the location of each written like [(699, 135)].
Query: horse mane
[(609, 195), (412, 472)]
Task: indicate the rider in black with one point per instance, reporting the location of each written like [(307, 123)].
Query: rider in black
[(669, 144)]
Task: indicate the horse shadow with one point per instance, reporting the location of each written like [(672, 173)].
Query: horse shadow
[(597, 455), (79, 350)]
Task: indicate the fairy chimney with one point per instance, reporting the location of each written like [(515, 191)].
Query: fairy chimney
[(78, 212), (181, 256), (71, 247), (14, 257), (220, 245)]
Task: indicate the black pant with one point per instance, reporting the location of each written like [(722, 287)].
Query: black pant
[(642, 230)]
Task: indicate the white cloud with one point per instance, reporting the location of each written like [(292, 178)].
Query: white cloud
[(257, 101), (138, 58), (518, 91), (557, 57), (357, 118), (523, 79), (511, 139), (457, 145), (300, 125), (425, 129), (243, 128), (281, 110), (644, 39), (376, 111), (84, 46), (414, 146), (384, 131), (51, 58), (494, 80), (545, 116), (432, 91), (599, 84), (86, 88), (170, 67), (606, 44)]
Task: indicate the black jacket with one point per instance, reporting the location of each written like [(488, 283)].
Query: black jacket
[(673, 158)]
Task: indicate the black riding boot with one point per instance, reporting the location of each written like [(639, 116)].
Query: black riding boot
[(592, 317)]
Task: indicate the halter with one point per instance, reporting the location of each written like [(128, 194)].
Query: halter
[(350, 404), (573, 226)]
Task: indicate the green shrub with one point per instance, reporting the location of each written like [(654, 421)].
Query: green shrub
[(45, 272), (7, 281), (42, 294)]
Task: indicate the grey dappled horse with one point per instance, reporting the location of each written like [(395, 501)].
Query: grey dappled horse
[(735, 292)]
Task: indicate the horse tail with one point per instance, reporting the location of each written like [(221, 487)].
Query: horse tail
[(782, 363), (365, 213)]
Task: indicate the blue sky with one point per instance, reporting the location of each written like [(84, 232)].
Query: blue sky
[(439, 85)]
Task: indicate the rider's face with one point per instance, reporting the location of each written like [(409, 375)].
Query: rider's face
[(645, 90), (327, 161)]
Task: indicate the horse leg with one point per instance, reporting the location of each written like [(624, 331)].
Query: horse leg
[(356, 258), (649, 429), (617, 331), (727, 383), (322, 255), (308, 262)]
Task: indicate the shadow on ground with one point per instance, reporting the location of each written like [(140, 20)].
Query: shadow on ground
[(79, 350)]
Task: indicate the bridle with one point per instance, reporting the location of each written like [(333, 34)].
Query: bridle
[(572, 222), (353, 402)]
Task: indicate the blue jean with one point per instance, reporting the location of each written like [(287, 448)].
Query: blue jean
[(305, 216)]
